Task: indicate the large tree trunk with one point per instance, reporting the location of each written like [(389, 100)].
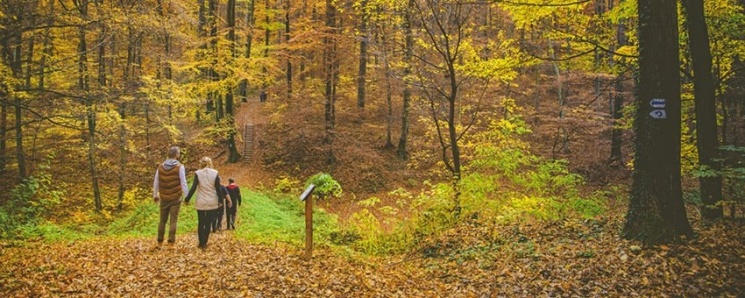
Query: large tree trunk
[(656, 212), (706, 117)]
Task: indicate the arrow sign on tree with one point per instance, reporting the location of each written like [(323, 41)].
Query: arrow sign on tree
[(657, 103)]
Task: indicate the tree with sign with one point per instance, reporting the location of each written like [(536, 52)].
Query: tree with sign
[(656, 211)]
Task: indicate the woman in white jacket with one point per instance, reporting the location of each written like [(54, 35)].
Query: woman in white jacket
[(207, 186)]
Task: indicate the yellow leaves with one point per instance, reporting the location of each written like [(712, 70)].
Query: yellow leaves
[(531, 12)]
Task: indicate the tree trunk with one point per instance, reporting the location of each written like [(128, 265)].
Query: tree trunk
[(656, 211), (165, 64), (616, 155), (402, 151), (46, 47), (17, 68), (89, 107), (243, 86), (388, 95), (11, 52), (267, 34), (706, 117), (329, 64), (233, 155), (561, 140), (289, 54), (3, 129), (122, 159), (362, 71)]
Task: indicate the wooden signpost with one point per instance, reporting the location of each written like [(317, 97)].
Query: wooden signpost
[(308, 198)]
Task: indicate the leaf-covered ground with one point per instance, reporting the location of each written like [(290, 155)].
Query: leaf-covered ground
[(561, 259)]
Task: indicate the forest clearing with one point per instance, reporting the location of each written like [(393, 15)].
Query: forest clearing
[(527, 148)]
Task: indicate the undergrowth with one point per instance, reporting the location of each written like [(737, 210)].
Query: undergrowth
[(505, 185)]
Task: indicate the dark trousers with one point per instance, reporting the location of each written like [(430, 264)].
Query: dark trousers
[(168, 209), (205, 218), (217, 222), (230, 217)]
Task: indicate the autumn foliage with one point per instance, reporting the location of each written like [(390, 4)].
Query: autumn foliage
[(460, 149)]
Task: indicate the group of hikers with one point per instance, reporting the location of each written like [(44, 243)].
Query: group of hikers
[(213, 200)]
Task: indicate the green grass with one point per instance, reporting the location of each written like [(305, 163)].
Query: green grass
[(266, 219), (261, 218)]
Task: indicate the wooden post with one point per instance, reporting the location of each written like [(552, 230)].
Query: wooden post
[(308, 198)]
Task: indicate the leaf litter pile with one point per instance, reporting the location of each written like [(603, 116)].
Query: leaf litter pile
[(559, 259)]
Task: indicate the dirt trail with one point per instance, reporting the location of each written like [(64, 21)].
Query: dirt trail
[(248, 173)]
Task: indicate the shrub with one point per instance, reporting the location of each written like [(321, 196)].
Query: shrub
[(326, 186), (29, 202)]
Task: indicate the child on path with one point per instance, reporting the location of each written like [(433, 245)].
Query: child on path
[(235, 196), (223, 197)]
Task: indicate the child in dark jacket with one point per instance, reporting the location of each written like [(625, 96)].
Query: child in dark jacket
[(235, 195), (221, 200)]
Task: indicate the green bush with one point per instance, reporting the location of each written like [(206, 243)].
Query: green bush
[(326, 186), (29, 202)]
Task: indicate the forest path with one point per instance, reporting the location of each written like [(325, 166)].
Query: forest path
[(248, 171), (226, 268)]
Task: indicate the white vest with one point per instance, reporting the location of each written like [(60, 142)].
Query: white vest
[(206, 192)]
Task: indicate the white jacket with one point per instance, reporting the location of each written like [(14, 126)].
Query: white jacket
[(206, 192)]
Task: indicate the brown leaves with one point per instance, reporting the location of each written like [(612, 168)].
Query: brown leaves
[(558, 260), (227, 268), (583, 260)]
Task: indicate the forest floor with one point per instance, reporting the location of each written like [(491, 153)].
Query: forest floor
[(560, 259), (565, 258)]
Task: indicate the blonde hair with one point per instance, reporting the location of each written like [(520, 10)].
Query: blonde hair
[(205, 162)]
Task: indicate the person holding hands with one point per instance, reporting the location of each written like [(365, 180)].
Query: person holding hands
[(169, 187), (206, 186)]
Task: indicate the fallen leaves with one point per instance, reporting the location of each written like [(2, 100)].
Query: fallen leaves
[(567, 264)]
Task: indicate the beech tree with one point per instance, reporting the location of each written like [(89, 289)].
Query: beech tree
[(453, 67), (656, 212)]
